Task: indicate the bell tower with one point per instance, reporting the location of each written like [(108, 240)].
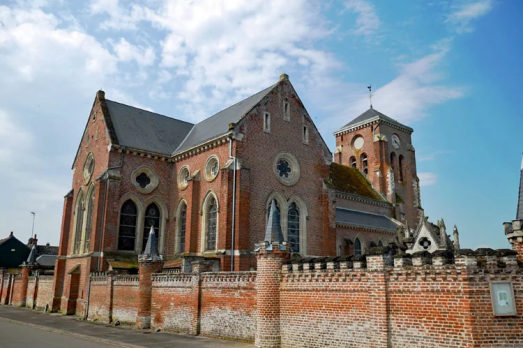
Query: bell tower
[(381, 149)]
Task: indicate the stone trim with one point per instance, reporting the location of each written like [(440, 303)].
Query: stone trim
[(361, 199)]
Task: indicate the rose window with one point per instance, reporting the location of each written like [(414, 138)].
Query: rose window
[(284, 169), (143, 180)]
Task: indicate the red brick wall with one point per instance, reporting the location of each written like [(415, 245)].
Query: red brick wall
[(17, 289), (125, 298), (175, 302), (228, 305), (45, 292), (31, 288), (99, 298)]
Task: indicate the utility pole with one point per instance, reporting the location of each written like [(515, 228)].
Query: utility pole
[(33, 229)]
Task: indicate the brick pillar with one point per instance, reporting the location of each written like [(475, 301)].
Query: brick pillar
[(110, 294), (270, 259), (7, 290), (195, 307), (147, 268), (378, 300), (26, 270)]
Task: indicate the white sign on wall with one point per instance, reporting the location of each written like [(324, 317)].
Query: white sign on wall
[(502, 295)]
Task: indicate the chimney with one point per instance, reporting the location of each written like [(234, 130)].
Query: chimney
[(11, 234)]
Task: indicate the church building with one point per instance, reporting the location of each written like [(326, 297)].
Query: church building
[(206, 188)]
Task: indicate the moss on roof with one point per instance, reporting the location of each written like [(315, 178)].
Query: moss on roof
[(351, 180)]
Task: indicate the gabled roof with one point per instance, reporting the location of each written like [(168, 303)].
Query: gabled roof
[(218, 124), (362, 219), (46, 260), (519, 213), (372, 115), (145, 130), (46, 250)]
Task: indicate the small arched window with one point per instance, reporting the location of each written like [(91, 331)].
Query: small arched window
[(80, 212), (357, 247), (364, 164), (89, 222), (380, 243), (152, 218), (401, 160), (393, 162), (127, 232), (212, 221), (293, 228), (182, 227), (352, 162)]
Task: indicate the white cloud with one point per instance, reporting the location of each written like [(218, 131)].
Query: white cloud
[(466, 12), (125, 51), (368, 21), (427, 179)]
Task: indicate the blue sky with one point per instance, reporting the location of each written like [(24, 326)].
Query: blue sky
[(450, 69)]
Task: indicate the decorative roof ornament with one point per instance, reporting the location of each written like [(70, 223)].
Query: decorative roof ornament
[(370, 95), (31, 259), (151, 252), (273, 233)]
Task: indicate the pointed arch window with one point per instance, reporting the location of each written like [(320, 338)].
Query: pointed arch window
[(212, 221), (182, 226), (352, 162), (80, 211), (364, 164), (401, 160), (293, 228), (357, 247), (380, 243), (89, 222), (128, 220), (152, 219)]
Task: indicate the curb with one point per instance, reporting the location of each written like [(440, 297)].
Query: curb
[(68, 333)]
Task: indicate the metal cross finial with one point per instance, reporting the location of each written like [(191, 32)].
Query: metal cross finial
[(370, 94)]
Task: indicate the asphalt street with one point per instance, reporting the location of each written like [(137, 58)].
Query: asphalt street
[(24, 328)]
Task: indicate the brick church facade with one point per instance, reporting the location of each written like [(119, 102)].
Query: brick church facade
[(206, 188)]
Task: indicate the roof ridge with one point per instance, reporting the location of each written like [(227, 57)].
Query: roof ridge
[(151, 112)]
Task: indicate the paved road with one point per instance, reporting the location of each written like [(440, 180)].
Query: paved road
[(21, 328)]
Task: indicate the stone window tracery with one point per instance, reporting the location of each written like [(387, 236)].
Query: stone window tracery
[(79, 213), (144, 179), (286, 168), (212, 220), (182, 227), (184, 176), (212, 168), (128, 222), (293, 228), (89, 222), (88, 168)]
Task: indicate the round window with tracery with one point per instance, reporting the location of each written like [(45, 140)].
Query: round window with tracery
[(212, 168), (286, 168), (184, 176), (144, 179), (88, 168)]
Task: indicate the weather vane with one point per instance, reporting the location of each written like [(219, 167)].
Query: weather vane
[(370, 95)]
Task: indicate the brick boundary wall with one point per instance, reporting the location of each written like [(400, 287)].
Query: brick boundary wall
[(419, 300)]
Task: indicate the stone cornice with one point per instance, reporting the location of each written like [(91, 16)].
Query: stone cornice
[(203, 147), (372, 121), (361, 199), (364, 228)]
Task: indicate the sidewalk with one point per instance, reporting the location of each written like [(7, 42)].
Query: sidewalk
[(121, 336)]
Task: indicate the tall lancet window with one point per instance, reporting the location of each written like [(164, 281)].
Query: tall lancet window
[(364, 164), (293, 228), (212, 221), (80, 211), (357, 247), (127, 233), (401, 158), (89, 222), (152, 219), (182, 227)]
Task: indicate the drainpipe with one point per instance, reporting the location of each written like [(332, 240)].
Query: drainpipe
[(88, 298), (104, 205), (231, 126)]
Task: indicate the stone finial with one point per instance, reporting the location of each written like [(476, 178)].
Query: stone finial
[(284, 77), (273, 232), (31, 259), (151, 252), (456, 238), (442, 234)]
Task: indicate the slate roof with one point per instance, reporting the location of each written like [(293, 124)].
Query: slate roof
[(218, 124), (519, 213), (46, 250), (46, 260), (363, 219), (145, 130), (371, 115)]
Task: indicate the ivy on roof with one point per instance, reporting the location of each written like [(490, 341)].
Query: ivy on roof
[(351, 180)]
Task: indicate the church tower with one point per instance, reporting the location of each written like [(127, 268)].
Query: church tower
[(381, 148)]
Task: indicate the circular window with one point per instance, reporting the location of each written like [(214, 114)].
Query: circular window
[(212, 168), (184, 176), (358, 142), (286, 168), (88, 168), (425, 243), (144, 179)]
